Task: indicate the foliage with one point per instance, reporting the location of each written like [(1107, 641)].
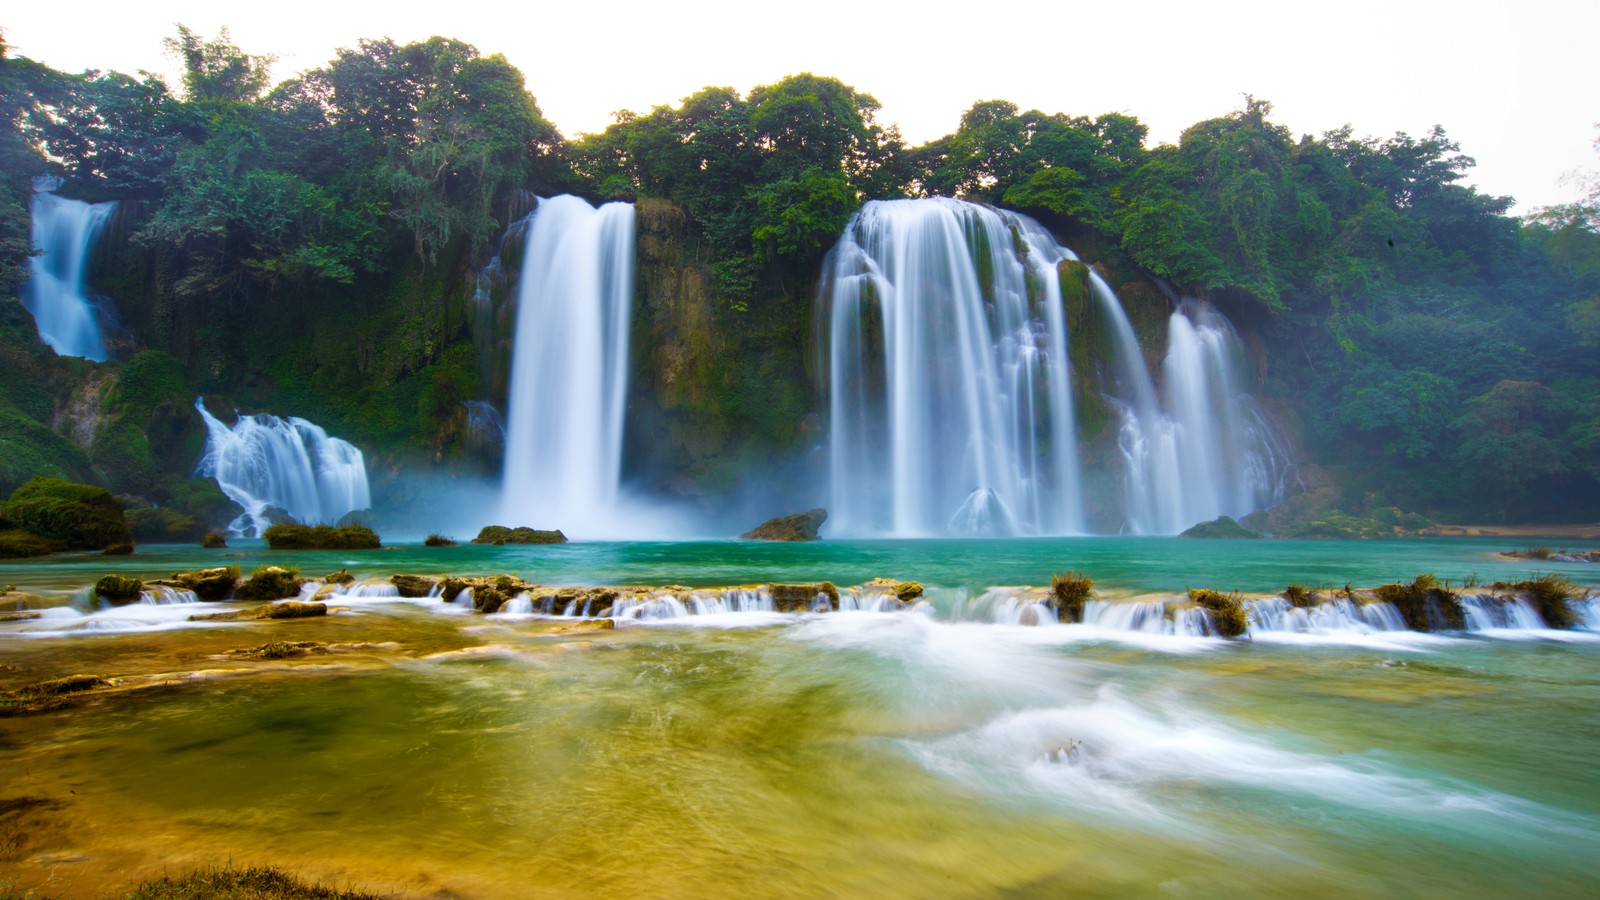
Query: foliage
[(1425, 604), (245, 883), (1072, 590), (81, 516), (1552, 594), (500, 534), (1225, 612)]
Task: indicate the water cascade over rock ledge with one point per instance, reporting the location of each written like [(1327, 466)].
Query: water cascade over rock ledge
[(56, 294), (953, 389), (264, 463)]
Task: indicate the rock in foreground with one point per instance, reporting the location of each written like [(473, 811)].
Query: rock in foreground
[(798, 527)]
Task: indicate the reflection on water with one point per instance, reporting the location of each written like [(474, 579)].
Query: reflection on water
[(893, 754)]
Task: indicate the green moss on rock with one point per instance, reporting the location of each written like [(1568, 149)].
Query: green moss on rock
[(321, 537), (270, 583), (118, 589), (1226, 611), (81, 516), (500, 534), (1425, 604)]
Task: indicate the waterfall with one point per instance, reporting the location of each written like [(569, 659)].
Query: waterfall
[(264, 462), (950, 389), (1205, 450), (64, 231), (949, 400), (569, 368)]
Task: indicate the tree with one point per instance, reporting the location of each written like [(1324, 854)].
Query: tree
[(217, 70)]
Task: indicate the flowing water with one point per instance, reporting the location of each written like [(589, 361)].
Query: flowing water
[(569, 369), (708, 747), (56, 294), (950, 389), (264, 463)]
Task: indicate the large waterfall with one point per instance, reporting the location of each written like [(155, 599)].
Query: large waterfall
[(949, 400), (264, 462), (64, 231), (950, 389), (569, 370)]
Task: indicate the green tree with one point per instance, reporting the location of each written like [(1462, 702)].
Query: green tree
[(217, 69)]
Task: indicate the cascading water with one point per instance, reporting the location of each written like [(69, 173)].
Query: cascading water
[(950, 389), (1205, 451), (949, 399), (569, 371), (64, 231), (264, 462)]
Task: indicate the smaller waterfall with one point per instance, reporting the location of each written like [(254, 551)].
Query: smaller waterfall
[(264, 462), (1201, 448), (64, 231), (569, 369)]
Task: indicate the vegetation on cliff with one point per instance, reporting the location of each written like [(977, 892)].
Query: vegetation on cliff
[(311, 247)]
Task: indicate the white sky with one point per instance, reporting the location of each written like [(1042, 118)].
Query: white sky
[(1512, 83)]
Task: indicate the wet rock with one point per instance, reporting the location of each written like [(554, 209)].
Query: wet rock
[(414, 585), (904, 591), (208, 584), (798, 527), (1226, 611), (322, 537), (19, 616), (342, 576), (213, 541), (1425, 604), (270, 583), (280, 650), (120, 549), (802, 597), (118, 590), (289, 609)]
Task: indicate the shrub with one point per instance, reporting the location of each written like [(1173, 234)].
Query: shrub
[(213, 541), (79, 515), (500, 534), (1425, 604), (438, 540), (1550, 594), (15, 542), (1226, 611), (1299, 597), (1072, 589)]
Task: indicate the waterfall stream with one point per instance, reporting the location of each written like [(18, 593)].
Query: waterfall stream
[(64, 231)]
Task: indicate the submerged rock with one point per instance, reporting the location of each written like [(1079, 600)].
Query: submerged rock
[(585, 625), (500, 534), (280, 650), (1220, 527), (289, 609), (43, 696), (798, 527)]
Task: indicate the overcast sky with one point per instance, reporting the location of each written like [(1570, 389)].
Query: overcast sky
[(1514, 84)]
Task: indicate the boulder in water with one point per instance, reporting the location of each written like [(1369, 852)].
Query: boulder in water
[(321, 537), (213, 541), (798, 527), (500, 534), (271, 583), (414, 585), (118, 590), (1226, 612), (1220, 527), (208, 584), (803, 597)]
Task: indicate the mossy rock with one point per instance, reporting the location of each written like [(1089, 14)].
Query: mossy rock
[(438, 540), (81, 516), (121, 549), (162, 525), (321, 537), (1226, 612), (1425, 604), (43, 696), (1299, 597), (118, 590), (795, 528), (15, 543), (209, 584), (500, 534), (270, 583), (213, 541), (1222, 527)]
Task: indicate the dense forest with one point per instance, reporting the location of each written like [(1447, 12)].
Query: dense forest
[(314, 247)]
